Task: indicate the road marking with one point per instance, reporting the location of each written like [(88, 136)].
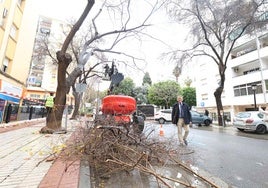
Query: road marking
[(239, 178), (259, 163)]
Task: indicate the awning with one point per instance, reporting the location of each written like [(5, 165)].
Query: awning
[(9, 98)]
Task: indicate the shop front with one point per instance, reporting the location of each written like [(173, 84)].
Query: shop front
[(9, 101)]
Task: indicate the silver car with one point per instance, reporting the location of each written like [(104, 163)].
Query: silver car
[(250, 120)]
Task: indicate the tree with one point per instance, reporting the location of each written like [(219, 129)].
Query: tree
[(140, 94), (125, 87), (188, 82), (215, 26), (189, 95), (146, 79), (89, 49), (177, 72), (164, 93)]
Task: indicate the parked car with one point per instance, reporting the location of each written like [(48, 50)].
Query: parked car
[(199, 119), (164, 115), (250, 120)]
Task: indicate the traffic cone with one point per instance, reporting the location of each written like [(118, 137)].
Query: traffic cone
[(161, 131)]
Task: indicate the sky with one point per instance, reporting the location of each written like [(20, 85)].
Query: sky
[(163, 29)]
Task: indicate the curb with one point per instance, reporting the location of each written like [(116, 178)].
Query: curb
[(19, 124), (62, 173)]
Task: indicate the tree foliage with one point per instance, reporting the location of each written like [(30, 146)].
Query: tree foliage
[(189, 95), (125, 87), (146, 79), (140, 94), (215, 26), (164, 93)]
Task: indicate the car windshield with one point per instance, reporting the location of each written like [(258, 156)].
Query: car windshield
[(195, 113)]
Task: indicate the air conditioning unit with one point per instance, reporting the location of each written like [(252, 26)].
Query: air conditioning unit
[(5, 11)]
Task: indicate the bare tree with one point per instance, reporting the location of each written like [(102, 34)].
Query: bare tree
[(89, 48), (215, 26)]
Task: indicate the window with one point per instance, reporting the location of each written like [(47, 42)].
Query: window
[(35, 96), (19, 2), (266, 84), (246, 89), (204, 97), (13, 32), (243, 91), (251, 70)]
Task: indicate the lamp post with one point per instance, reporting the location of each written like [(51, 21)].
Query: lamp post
[(254, 88)]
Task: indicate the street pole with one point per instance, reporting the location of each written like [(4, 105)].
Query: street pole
[(255, 105), (254, 89)]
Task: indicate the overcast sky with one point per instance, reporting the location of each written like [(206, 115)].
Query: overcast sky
[(170, 33)]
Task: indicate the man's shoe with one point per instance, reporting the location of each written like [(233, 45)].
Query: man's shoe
[(181, 145), (185, 142)]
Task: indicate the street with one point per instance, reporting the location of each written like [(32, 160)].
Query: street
[(240, 159)]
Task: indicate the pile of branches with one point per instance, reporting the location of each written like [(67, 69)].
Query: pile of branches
[(110, 148)]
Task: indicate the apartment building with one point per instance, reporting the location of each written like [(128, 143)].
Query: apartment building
[(25, 77), (13, 64), (246, 78), (42, 79)]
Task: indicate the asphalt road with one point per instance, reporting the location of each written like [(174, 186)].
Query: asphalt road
[(239, 159)]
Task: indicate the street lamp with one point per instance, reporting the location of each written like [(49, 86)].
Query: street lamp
[(254, 88)]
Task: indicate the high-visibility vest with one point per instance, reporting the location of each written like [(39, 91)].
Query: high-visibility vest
[(50, 102)]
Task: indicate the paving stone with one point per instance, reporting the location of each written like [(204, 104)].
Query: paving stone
[(22, 156)]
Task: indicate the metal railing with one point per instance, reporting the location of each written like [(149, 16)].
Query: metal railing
[(15, 113)]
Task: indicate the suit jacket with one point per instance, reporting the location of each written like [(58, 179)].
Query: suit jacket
[(176, 113)]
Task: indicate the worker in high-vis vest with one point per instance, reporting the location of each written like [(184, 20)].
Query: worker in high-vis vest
[(49, 103)]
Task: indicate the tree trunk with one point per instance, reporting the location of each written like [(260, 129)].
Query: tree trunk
[(77, 99), (217, 95), (55, 117)]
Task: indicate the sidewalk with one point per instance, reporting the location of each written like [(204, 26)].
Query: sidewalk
[(25, 158), (26, 161)]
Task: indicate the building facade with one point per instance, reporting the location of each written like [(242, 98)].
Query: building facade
[(13, 63), (27, 74), (42, 79), (246, 78)]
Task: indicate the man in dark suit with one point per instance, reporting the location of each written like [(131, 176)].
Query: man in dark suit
[(181, 116)]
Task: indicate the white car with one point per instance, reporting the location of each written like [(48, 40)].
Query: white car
[(250, 120), (163, 116)]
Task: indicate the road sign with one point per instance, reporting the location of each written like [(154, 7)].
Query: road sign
[(80, 87)]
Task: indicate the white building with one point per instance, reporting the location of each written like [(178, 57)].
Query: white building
[(247, 66)]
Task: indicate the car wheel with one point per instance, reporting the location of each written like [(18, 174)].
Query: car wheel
[(261, 129), (161, 121), (207, 122), (240, 129)]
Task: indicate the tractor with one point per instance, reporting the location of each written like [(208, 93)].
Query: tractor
[(119, 110), (122, 110)]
